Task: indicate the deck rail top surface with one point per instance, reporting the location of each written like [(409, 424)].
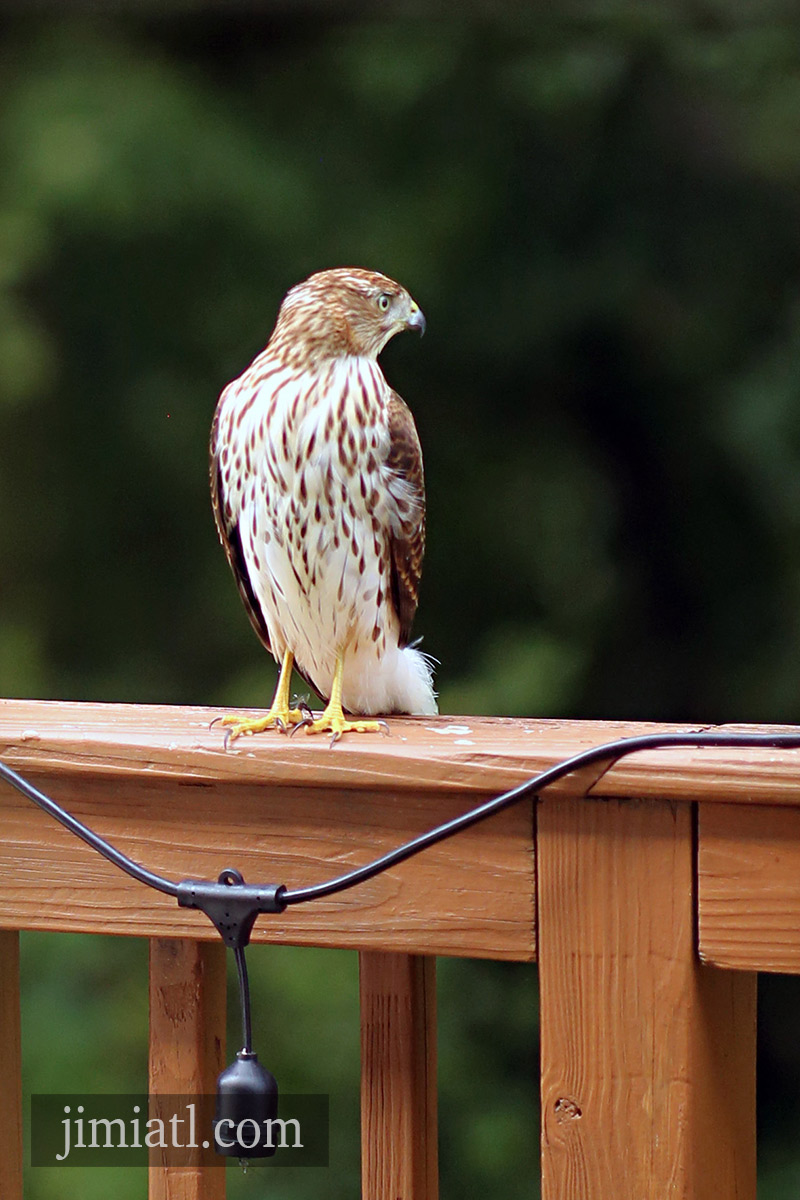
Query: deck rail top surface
[(470, 755)]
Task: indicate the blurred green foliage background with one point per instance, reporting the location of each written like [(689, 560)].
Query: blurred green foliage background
[(599, 211)]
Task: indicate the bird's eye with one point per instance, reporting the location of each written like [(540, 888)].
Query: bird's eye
[(384, 301)]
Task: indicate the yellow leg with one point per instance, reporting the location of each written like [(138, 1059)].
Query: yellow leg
[(280, 715), (333, 720)]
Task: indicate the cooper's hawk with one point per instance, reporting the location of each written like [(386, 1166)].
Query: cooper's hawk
[(318, 494)]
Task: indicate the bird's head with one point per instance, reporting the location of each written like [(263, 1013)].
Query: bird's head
[(342, 312)]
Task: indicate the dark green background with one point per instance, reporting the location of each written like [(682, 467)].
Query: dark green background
[(599, 212)]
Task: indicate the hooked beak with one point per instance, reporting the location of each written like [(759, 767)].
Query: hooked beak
[(416, 319)]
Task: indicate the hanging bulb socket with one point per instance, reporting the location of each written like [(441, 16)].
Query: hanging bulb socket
[(247, 1104)]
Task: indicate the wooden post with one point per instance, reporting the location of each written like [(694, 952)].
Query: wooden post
[(187, 1047), (648, 1058), (398, 1077), (10, 1069)]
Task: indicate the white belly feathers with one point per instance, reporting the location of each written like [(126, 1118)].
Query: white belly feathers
[(315, 504)]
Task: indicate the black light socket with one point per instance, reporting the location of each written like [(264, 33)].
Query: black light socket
[(247, 1103)]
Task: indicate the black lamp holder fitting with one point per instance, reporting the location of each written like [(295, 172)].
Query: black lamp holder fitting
[(231, 904), (246, 1091)]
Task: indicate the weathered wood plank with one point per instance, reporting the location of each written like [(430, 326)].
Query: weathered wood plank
[(398, 1077), (187, 1048), (10, 1069), (648, 1058), (472, 895), (466, 756), (749, 887), (157, 780)]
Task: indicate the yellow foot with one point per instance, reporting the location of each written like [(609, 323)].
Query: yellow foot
[(277, 718), (334, 722)]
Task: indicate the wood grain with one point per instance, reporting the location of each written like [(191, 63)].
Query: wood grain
[(648, 1058), (398, 1077), (187, 1045), (749, 887), (472, 895), (648, 1080), (465, 756), (10, 1069), (159, 783)]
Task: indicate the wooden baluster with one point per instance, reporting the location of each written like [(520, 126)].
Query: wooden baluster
[(187, 1047), (398, 1077), (648, 1057), (10, 1069)]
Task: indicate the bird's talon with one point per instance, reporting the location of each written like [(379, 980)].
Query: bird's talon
[(309, 720)]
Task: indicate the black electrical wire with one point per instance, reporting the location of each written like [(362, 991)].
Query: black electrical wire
[(606, 752), (88, 835), (244, 995)]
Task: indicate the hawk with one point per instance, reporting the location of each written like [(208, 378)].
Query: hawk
[(319, 499)]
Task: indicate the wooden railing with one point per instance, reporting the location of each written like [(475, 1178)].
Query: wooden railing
[(651, 892)]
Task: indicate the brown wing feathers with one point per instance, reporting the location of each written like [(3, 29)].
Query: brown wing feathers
[(407, 546), (232, 544)]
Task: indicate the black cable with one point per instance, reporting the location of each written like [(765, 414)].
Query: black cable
[(244, 996), (607, 751), (88, 835)]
